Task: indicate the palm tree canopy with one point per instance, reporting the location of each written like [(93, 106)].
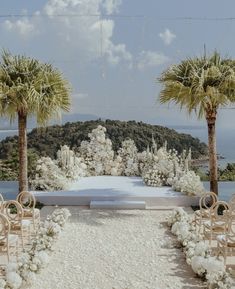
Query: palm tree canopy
[(201, 84), (30, 87)]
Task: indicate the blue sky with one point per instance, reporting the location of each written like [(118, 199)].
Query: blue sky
[(113, 61)]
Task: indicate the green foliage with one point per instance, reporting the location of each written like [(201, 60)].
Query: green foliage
[(228, 174), (200, 84), (10, 165), (28, 86), (47, 141)]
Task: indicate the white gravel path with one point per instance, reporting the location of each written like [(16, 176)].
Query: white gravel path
[(116, 250)]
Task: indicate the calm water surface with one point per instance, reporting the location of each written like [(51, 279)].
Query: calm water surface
[(226, 189)]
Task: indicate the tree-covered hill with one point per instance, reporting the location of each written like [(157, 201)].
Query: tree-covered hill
[(46, 141)]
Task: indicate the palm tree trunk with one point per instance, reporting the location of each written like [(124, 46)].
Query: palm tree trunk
[(23, 159), (212, 153)]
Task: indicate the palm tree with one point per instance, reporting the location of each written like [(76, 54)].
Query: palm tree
[(30, 88), (202, 84)]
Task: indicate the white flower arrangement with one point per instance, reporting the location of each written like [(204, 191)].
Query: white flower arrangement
[(37, 257), (48, 176), (97, 154), (197, 252), (128, 154), (189, 183), (72, 165), (158, 166)]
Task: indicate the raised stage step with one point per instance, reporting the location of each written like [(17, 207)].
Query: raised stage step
[(117, 205)]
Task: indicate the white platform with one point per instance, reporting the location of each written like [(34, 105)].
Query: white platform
[(109, 188)]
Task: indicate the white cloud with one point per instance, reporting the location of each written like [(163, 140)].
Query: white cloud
[(148, 59), (86, 37), (111, 6), (24, 27), (167, 36)]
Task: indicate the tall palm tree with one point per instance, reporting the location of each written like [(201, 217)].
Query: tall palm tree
[(30, 88), (202, 84)]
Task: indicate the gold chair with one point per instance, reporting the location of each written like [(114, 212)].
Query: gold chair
[(14, 212), (219, 222), (232, 205), (206, 203), (1, 202), (7, 241), (28, 202), (226, 244)]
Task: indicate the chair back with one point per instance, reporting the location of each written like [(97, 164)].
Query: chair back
[(1, 202), (27, 200), (221, 212), (232, 202), (14, 212), (4, 229), (207, 201)]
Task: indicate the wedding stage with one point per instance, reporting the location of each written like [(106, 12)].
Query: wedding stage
[(115, 193)]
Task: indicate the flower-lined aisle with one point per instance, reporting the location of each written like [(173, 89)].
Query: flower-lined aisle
[(116, 249), (197, 251), (36, 257)]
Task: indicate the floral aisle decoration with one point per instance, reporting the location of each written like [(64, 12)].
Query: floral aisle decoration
[(197, 252), (188, 183), (37, 257)]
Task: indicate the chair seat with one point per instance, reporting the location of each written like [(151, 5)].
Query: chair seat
[(24, 223), (204, 212), (222, 240), (216, 227), (31, 212), (12, 239)]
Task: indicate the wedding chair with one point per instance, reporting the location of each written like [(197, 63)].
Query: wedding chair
[(219, 222), (14, 212), (206, 203), (1, 202), (226, 244), (232, 205), (28, 202), (7, 241)]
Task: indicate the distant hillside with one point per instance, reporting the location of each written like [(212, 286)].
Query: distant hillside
[(48, 140)]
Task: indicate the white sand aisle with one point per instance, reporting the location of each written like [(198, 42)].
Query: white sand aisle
[(115, 250)]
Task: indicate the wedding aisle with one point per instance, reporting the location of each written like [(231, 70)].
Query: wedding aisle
[(116, 250)]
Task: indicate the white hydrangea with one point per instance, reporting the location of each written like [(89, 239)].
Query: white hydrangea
[(128, 154), (177, 215), (197, 251), (72, 165), (189, 183), (31, 261), (13, 280), (153, 178), (48, 176), (97, 153)]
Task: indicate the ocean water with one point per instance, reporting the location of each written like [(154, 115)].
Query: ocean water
[(225, 140), (9, 189)]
